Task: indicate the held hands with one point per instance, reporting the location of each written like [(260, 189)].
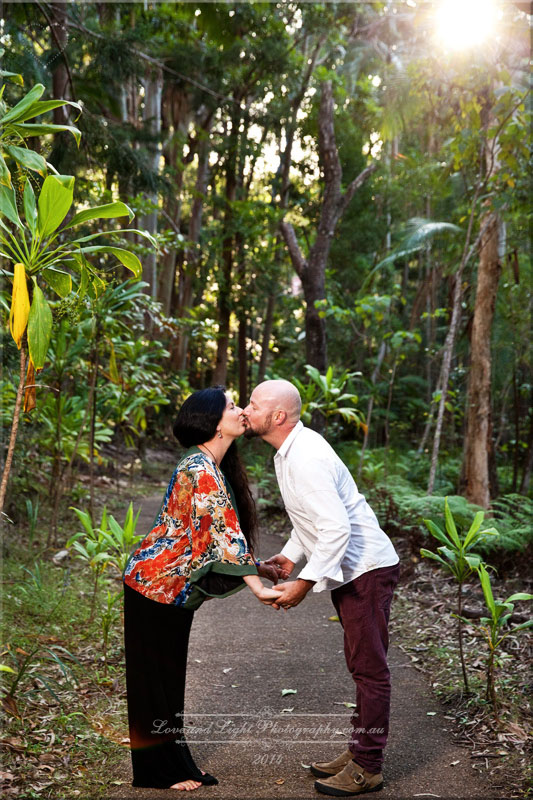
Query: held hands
[(269, 571), (292, 593), (283, 565)]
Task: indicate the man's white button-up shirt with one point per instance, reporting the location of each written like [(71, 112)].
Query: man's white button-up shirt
[(333, 525)]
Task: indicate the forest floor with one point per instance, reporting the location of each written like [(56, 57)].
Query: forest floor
[(257, 740)]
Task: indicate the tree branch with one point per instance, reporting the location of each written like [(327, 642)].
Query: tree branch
[(298, 261), (354, 186)]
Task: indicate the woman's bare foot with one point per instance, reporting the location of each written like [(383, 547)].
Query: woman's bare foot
[(187, 786)]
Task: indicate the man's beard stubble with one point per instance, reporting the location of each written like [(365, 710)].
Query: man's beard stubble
[(251, 433)]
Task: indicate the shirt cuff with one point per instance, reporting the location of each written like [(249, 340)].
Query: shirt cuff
[(309, 574), (292, 551)]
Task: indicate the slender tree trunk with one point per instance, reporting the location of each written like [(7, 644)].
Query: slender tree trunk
[(92, 423), (449, 342), (60, 74), (14, 427), (381, 355), (267, 332), (153, 86), (189, 267), (225, 287), (478, 409)]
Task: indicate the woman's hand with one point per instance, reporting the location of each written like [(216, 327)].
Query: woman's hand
[(267, 596)]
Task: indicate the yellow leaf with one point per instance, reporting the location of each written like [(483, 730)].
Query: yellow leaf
[(20, 305)]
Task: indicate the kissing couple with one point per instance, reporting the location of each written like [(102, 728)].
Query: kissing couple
[(203, 545)]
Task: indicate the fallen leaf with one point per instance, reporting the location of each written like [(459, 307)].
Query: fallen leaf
[(305, 766), (286, 710), (334, 618), (454, 763), (228, 669), (430, 713), (280, 782), (288, 691)]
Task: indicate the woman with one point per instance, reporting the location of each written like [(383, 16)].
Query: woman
[(201, 546)]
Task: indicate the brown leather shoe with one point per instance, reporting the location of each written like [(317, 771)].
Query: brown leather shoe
[(351, 781), (323, 769)]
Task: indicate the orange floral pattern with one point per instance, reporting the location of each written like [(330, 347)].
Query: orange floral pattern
[(196, 527)]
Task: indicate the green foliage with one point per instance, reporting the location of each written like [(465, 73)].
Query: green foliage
[(500, 614), (28, 679), (121, 539), (455, 551), (327, 394), (92, 546)]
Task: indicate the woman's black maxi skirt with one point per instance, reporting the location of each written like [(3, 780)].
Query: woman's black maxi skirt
[(156, 642)]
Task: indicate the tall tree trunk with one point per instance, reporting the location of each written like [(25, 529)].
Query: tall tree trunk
[(188, 269), (224, 289), (60, 74), (478, 407), (153, 86), (449, 342), (312, 271)]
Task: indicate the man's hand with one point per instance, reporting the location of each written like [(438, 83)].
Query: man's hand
[(269, 571), (293, 593), (283, 565)]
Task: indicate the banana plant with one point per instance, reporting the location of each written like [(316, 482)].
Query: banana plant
[(455, 555)]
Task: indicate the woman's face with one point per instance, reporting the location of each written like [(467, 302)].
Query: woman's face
[(232, 421)]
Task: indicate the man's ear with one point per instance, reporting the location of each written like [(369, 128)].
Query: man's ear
[(280, 417)]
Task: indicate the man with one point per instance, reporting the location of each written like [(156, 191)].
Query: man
[(347, 552)]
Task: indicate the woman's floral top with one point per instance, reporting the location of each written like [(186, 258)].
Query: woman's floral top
[(195, 532)]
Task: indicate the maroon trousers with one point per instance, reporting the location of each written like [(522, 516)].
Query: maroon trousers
[(363, 606)]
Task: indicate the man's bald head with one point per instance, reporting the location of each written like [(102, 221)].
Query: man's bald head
[(283, 395), (273, 411)]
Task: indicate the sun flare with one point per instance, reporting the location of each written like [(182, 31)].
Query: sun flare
[(462, 24)]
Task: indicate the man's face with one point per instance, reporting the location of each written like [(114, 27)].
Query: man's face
[(258, 415)]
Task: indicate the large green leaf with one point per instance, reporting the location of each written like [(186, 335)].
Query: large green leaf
[(5, 175), (8, 205), (450, 524), (107, 211), (55, 201), (17, 111), (436, 532), (58, 280), (30, 207), (116, 232), (27, 158), (475, 526), (42, 106), (519, 596), (26, 129), (129, 260), (39, 327), (14, 77), (487, 589)]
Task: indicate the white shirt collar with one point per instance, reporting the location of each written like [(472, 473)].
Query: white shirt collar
[(284, 449)]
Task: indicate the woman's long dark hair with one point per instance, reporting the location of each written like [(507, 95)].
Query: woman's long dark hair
[(195, 424)]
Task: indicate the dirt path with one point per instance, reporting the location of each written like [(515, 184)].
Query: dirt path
[(257, 742)]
